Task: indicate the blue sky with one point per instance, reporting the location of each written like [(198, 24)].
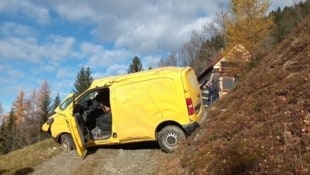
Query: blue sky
[(52, 39)]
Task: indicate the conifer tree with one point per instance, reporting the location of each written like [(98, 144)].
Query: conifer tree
[(135, 65), (11, 130), (83, 80), (2, 138), (44, 108), (2, 132), (44, 102), (56, 102)]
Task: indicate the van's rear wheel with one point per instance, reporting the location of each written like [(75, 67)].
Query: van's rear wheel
[(170, 137), (66, 142)]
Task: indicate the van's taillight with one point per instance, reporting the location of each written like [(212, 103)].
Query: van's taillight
[(190, 106)]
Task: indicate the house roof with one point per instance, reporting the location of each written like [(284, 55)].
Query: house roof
[(209, 67), (238, 48)]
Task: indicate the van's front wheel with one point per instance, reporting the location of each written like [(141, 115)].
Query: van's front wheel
[(66, 142), (170, 137)]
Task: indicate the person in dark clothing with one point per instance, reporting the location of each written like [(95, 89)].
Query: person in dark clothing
[(104, 121), (99, 119)]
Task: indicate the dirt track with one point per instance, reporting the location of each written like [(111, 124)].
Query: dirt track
[(132, 159)]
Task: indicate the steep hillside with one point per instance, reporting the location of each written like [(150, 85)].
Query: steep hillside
[(263, 126)]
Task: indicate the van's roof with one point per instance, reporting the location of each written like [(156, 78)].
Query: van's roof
[(109, 80)]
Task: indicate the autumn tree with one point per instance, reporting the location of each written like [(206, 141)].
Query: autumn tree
[(248, 24), (19, 114), (19, 107), (32, 132), (135, 65), (83, 80)]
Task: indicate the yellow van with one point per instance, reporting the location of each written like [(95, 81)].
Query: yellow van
[(162, 104)]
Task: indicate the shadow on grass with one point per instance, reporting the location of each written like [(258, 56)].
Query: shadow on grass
[(3, 171), (24, 171)]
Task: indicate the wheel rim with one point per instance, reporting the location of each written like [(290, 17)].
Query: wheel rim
[(171, 139), (65, 145)]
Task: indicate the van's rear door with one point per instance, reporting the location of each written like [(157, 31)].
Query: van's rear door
[(192, 93)]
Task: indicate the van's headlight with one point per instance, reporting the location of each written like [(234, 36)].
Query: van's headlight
[(50, 121)]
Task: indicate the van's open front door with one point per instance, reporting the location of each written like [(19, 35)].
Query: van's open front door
[(75, 124), (79, 133)]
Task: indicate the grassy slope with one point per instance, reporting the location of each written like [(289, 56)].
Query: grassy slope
[(23, 160), (260, 127)]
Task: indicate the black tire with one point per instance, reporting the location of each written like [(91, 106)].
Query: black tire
[(170, 137), (66, 142)]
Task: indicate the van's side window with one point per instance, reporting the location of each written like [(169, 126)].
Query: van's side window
[(65, 104)]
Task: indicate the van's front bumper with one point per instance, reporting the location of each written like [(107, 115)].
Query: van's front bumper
[(190, 128)]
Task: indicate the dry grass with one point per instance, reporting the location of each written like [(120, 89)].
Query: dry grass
[(263, 126), (22, 161), (170, 164)]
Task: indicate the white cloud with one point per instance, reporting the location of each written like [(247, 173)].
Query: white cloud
[(59, 47), (150, 61), (140, 26), (9, 75), (194, 25), (98, 56), (77, 11), (14, 29), (26, 8), (20, 48), (14, 74), (28, 48), (63, 87), (64, 73), (115, 69), (144, 27)]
